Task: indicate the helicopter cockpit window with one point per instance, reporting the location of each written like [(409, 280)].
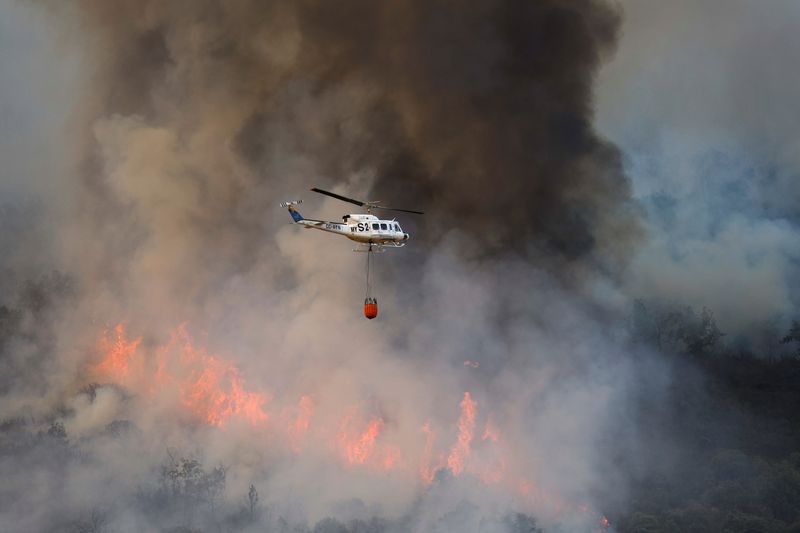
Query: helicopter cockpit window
[(376, 226), (397, 227), (383, 226)]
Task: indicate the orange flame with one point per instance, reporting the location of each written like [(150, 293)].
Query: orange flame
[(213, 390), (115, 366), (429, 466), (215, 393), (466, 430), (358, 449), (210, 387)]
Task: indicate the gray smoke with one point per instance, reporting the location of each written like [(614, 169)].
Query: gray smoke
[(700, 99), (188, 123)]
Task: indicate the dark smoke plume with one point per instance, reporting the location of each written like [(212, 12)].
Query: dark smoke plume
[(479, 112)]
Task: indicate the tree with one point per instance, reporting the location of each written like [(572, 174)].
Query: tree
[(673, 329), (187, 484), (252, 498), (793, 335), (57, 431)]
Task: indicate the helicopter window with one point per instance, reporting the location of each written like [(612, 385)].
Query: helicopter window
[(376, 226), (397, 227), (383, 226)]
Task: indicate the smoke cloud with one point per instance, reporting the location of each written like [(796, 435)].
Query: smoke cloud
[(700, 100), (197, 344)]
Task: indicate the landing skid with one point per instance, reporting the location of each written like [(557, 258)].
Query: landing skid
[(378, 248)]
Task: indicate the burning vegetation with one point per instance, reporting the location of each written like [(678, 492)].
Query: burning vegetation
[(210, 390)]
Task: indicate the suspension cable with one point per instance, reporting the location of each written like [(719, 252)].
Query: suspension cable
[(369, 260)]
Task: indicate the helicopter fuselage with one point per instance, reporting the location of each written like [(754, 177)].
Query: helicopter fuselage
[(362, 228)]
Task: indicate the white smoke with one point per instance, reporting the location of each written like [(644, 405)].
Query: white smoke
[(701, 99)]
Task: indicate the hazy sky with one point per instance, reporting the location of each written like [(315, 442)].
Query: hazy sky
[(701, 98)]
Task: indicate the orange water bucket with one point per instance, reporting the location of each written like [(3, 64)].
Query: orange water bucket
[(370, 308)]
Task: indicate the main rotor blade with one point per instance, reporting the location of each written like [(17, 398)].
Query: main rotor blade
[(403, 210), (361, 204), (338, 197)]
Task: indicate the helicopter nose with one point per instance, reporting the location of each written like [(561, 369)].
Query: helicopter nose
[(405, 236)]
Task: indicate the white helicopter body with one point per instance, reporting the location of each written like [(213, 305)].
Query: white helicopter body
[(364, 229)]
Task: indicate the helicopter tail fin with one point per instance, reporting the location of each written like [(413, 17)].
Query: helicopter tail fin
[(297, 217)]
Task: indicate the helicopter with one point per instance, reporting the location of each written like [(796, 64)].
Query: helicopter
[(364, 228)]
